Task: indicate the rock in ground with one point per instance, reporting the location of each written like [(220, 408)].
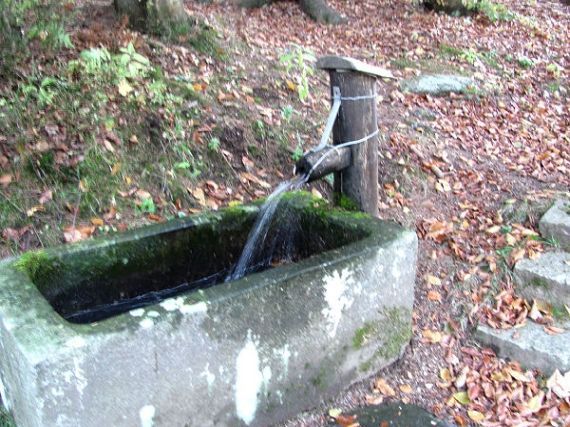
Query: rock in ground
[(440, 84)]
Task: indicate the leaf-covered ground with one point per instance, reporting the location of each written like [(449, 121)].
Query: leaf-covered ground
[(201, 124)]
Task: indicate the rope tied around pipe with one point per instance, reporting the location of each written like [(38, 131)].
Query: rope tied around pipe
[(337, 100)]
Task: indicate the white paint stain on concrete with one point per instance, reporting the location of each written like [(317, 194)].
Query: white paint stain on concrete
[(336, 290), (200, 307), (210, 377), (146, 415), (249, 380), (173, 304), (138, 312), (146, 323)]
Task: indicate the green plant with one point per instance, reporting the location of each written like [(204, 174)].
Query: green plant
[(493, 11), (259, 130), (146, 206), (287, 113), (51, 33), (298, 63), (554, 69), (553, 87), (525, 62), (214, 144), (24, 20), (44, 91), (205, 40), (101, 64), (469, 55), (297, 153)]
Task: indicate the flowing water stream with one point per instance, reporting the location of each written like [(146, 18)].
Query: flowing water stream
[(258, 232)]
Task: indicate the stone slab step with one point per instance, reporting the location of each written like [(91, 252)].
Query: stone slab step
[(546, 278), (530, 345), (397, 414), (555, 224)]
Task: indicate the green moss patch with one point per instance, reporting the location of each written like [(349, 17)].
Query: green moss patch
[(38, 265), (362, 335), (393, 332)]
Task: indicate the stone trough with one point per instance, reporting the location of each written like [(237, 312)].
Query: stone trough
[(140, 329)]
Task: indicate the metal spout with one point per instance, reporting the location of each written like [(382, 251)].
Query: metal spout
[(317, 164)]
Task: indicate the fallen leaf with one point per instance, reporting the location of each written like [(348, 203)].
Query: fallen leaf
[(124, 87), (476, 416), (32, 211), (406, 388), (442, 185), (517, 255), (432, 336), (433, 280), (461, 378), (143, 195), (374, 399), (434, 296), (384, 388), (347, 420), (445, 375), (559, 384), (41, 146), (517, 375), (46, 196), (439, 231), (553, 330), (72, 235), (461, 397), (247, 163), (534, 313), (291, 86), (535, 403), (252, 178), (5, 180), (98, 222), (199, 195)]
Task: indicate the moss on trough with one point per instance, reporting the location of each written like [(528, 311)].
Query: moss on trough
[(394, 332), (539, 283), (198, 251), (363, 334), (38, 265)]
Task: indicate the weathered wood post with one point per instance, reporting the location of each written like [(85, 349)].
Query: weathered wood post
[(357, 119)]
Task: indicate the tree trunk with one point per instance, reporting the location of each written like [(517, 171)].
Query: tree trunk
[(452, 7), (319, 10), (153, 15)]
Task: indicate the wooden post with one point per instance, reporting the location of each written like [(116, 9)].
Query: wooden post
[(357, 118)]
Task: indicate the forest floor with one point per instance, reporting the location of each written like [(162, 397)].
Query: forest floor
[(116, 129)]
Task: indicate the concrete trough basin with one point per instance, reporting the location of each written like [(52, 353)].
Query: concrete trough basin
[(140, 329)]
